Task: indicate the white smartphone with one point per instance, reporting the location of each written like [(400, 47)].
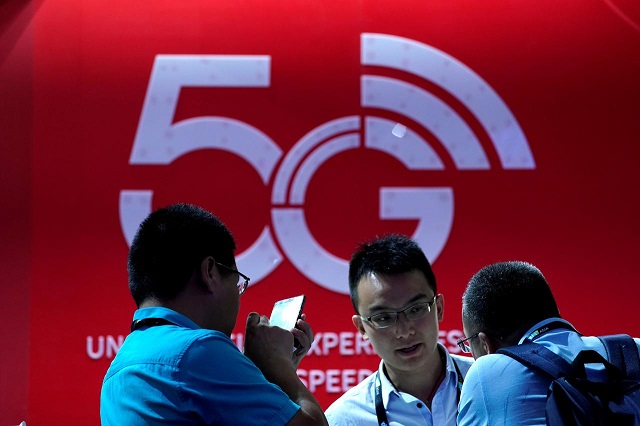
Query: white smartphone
[(286, 312)]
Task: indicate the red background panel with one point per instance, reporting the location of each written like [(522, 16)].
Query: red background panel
[(73, 79)]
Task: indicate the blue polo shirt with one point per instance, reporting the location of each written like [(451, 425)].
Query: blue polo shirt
[(183, 374), (498, 390)]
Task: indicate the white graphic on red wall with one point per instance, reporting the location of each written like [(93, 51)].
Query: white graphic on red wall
[(160, 142)]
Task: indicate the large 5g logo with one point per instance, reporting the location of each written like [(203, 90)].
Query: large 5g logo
[(158, 141)]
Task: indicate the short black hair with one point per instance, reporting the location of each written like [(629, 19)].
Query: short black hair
[(507, 298), (170, 245), (391, 254)]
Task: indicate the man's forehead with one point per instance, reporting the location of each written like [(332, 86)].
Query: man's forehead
[(383, 291), (386, 279)]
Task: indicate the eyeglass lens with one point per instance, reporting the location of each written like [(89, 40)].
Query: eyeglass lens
[(387, 319)]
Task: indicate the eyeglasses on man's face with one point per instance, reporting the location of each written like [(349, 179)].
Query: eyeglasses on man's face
[(465, 343), (388, 319), (243, 280)]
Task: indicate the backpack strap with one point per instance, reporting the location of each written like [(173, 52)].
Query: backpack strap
[(622, 352), (539, 358)]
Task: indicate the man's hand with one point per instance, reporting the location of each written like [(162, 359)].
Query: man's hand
[(304, 335), (271, 350), (268, 347)]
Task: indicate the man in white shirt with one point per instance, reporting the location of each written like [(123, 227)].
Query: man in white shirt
[(393, 290)]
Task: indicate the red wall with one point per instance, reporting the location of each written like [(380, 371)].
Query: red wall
[(16, 129), (75, 77)]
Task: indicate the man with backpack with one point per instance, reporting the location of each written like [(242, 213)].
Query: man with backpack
[(533, 367)]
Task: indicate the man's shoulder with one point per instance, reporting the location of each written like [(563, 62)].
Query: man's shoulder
[(592, 342), (490, 361), (495, 381), (206, 346), (173, 337), (170, 345), (457, 363), (462, 361), (492, 367)]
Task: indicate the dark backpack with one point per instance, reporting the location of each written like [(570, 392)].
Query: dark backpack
[(572, 399)]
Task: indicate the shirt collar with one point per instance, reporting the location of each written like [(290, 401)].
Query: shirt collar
[(166, 314), (388, 388), (541, 325)]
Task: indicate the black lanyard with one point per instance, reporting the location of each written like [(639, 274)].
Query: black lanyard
[(149, 322), (381, 412), (548, 327)]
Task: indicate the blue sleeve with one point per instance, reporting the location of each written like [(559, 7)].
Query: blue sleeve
[(223, 386)]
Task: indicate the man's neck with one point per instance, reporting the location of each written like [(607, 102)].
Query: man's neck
[(178, 304)]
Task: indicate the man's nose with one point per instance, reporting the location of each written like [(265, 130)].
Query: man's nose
[(403, 325)]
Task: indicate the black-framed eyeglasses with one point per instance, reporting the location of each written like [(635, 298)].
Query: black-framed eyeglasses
[(388, 319), (465, 344), (243, 280)]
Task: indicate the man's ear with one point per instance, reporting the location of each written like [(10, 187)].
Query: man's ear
[(209, 273), (357, 322), (489, 345), (440, 307)]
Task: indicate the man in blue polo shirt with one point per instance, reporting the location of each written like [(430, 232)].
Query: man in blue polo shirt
[(179, 365), (507, 304)]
